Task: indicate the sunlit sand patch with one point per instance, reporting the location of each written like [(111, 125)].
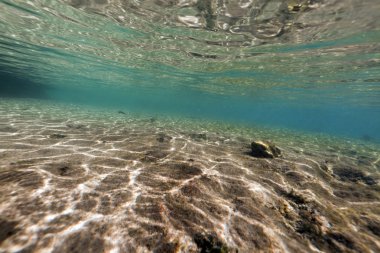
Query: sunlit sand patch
[(92, 180)]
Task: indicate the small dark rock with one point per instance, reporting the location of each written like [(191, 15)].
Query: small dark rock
[(310, 223), (263, 149), (308, 228), (63, 170), (7, 229), (57, 136), (296, 8), (210, 243), (296, 197), (324, 167)]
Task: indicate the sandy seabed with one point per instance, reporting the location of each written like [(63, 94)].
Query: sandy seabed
[(78, 179)]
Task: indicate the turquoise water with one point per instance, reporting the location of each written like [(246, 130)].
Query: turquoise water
[(306, 65)]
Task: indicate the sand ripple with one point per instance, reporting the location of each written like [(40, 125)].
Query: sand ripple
[(75, 180)]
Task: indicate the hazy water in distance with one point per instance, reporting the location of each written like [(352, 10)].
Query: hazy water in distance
[(311, 65)]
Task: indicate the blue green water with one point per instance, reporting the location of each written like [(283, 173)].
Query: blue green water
[(312, 66)]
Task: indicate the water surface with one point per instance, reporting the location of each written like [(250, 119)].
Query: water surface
[(311, 65)]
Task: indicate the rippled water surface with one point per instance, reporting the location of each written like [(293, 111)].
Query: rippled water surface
[(125, 126), (310, 65)]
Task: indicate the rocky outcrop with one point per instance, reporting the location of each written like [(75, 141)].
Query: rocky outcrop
[(264, 149)]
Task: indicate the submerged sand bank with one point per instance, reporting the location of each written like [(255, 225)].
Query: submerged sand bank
[(75, 179)]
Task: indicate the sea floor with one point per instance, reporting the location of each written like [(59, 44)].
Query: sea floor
[(80, 179)]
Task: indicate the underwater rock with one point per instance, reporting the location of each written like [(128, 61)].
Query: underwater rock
[(263, 149), (210, 243), (310, 224), (297, 197), (7, 229), (63, 171)]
